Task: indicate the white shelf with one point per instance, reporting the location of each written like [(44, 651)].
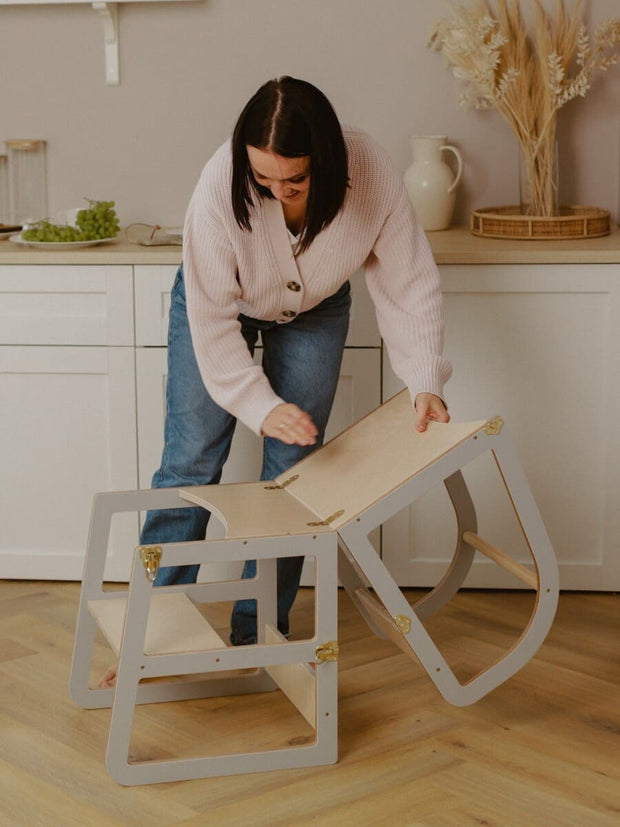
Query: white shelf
[(109, 16), (68, 2)]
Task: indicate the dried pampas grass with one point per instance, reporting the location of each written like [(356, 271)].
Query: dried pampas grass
[(526, 70)]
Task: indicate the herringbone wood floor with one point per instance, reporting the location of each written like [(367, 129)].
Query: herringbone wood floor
[(543, 749)]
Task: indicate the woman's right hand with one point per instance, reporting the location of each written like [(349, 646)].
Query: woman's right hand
[(290, 424)]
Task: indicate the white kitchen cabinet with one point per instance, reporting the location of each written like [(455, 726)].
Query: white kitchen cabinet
[(532, 329), (68, 431), (83, 402), (539, 345), (67, 383)]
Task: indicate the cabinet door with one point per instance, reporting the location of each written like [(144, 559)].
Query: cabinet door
[(538, 345), (358, 393), (68, 431)]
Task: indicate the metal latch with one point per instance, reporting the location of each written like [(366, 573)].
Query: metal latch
[(150, 556), (494, 426), (327, 651)]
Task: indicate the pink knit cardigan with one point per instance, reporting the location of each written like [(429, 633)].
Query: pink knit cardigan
[(230, 271)]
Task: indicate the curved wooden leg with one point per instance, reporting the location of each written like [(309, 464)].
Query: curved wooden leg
[(402, 623), (458, 570)]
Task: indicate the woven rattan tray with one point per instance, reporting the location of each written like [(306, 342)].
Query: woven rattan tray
[(572, 222)]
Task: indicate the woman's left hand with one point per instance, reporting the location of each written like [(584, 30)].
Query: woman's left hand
[(429, 407)]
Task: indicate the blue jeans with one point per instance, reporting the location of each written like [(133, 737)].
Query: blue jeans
[(302, 361)]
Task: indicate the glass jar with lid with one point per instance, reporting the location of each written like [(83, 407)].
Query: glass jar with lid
[(4, 190), (27, 180)]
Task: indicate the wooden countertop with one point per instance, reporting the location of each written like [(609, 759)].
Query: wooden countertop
[(112, 252), (458, 246), (454, 246)]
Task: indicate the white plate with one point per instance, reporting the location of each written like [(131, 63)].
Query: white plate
[(7, 233), (59, 245)]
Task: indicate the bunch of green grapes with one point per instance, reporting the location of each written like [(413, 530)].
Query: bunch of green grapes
[(97, 222)]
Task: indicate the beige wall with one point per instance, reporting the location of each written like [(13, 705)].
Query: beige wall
[(187, 68)]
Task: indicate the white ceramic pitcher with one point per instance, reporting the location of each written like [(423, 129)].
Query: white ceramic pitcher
[(430, 182)]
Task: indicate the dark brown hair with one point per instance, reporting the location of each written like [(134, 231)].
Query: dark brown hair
[(292, 118)]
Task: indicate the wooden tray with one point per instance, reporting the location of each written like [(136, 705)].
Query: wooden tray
[(574, 221)]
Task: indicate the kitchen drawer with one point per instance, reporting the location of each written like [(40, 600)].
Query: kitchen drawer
[(153, 284), (66, 305)]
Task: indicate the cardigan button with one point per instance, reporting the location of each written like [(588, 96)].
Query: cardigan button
[(289, 313), (295, 286)]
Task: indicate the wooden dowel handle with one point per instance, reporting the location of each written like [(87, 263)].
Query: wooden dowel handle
[(501, 558)]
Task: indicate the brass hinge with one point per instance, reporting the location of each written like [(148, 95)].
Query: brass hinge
[(404, 623), (494, 426), (150, 556), (282, 485), (327, 651), (329, 520)]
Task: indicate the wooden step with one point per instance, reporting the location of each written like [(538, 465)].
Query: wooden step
[(175, 625), (296, 680)]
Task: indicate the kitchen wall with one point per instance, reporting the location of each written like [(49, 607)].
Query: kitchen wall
[(187, 68)]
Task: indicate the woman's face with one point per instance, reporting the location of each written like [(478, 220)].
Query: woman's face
[(287, 178)]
